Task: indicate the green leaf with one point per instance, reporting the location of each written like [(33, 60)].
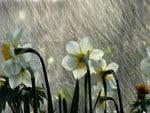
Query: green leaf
[(75, 100), (64, 105)]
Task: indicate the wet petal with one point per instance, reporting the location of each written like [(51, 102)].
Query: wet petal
[(70, 63), (17, 35), (12, 67), (112, 84), (11, 51), (23, 62), (113, 66), (80, 72), (72, 47), (9, 38), (15, 68), (97, 65), (86, 44), (27, 56), (35, 65), (25, 77), (7, 70), (14, 82), (96, 54), (145, 65)]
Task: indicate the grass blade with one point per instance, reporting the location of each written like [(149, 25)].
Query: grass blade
[(75, 100), (64, 106), (85, 92), (26, 103), (96, 101), (60, 104)]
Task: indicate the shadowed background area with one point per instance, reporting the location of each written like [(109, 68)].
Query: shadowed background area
[(121, 28)]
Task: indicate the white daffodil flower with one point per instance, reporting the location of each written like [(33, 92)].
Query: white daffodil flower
[(100, 107), (15, 65), (24, 77), (9, 54), (13, 40), (75, 60), (100, 67)]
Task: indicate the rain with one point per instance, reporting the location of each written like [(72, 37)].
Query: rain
[(121, 28)]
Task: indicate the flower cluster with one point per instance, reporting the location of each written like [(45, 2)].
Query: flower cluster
[(15, 66), (18, 80), (83, 52)]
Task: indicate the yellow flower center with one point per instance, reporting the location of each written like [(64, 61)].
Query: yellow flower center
[(80, 57), (5, 51), (80, 60), (101, 100), (100, 73)]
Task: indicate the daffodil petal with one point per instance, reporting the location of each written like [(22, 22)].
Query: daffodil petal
[(23, 62), (145, 65), (9, 38), (113, 66), (96, 54), (11, 67), (97, 65), (14, 82), (26, 78), (15, 68), (27, 57), (73, 48), (38, 78), (35, 65), (103, 63), (112, 84), (17, 35), (11, 51), (85, 45), (78, 73), (7, 70), (70, 63)]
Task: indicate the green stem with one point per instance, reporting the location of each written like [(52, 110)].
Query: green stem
[(33, 89), (89, 86), (118, 89), (64, 105), (96, 101), (26, 103), (85, 92), (116, 106), (105, 89), (60, 104)]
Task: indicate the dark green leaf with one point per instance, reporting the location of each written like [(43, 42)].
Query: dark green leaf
[(75, 100)]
